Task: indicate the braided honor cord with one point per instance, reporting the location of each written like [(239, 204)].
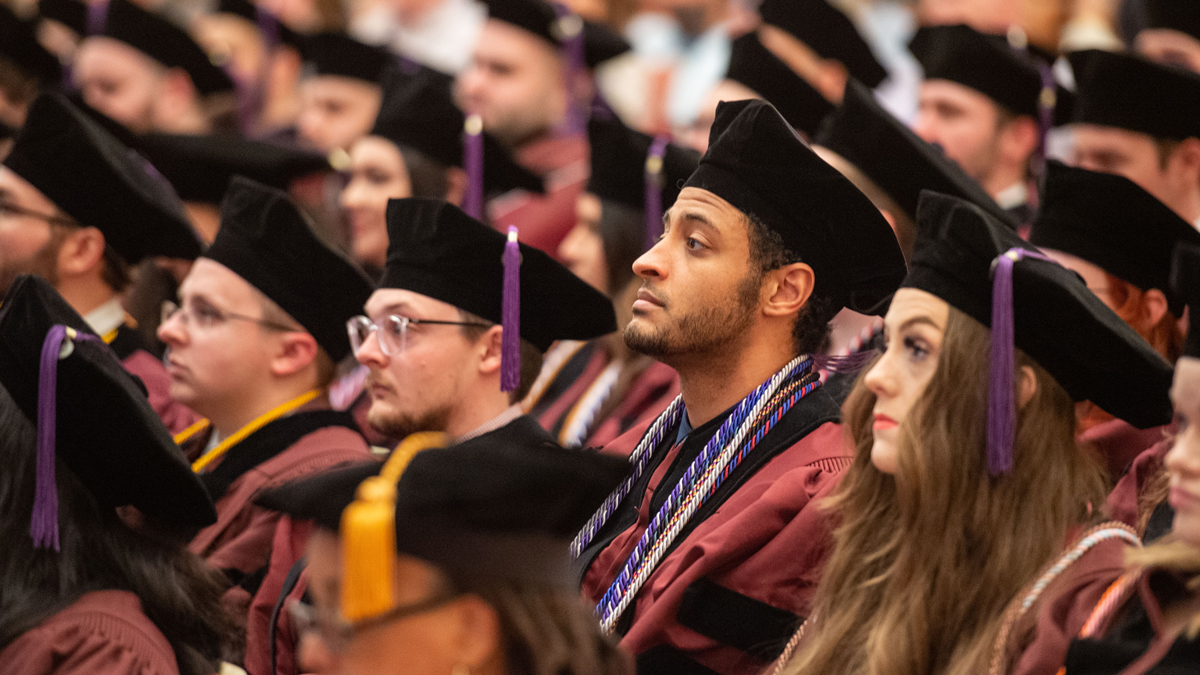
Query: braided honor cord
[(752, 418)]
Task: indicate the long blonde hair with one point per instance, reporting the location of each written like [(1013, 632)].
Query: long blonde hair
[(926, 560)]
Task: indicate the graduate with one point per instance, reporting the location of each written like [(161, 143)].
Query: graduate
[(96, 505), (982, 102), (590, 393), (1171, 34), (968, 537), (711, 574), (26, 68), (1120, 240), (254, 341), (529, 82), (458, 563), (416, 149), (149, 75), (434, 338), (891, 164), (81, 209), (1141, 120), (340, 92), (1148, 622)]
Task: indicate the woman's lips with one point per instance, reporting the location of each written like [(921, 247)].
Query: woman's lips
[(883, 422)]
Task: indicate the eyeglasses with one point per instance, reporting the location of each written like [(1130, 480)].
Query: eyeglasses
[(11, 210), (392, 331), (337, 633), (204, 315)]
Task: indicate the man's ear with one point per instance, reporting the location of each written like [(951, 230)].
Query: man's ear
[(787, 289), (81, 251), (1019, 138), (297, 350), (479, 636), (1028, 386), (1154, 307), (488, 347)]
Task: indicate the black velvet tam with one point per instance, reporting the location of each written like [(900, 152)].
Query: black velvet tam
[(418, 112), (200, 167), (1058, 322), (1185, 281), (619, 156), (1179, 15), (894, 158), (267, 241), (756, 162), (438, 251), (1129, 92), (19, 44), (486, 507), (99, 182), (753, 65), (829, 33), (1111, 222), (600, 43), (164, 42), (985, 63), (106, 431), (341, 55)]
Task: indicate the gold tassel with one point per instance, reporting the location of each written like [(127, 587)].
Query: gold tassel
[(369, 533)]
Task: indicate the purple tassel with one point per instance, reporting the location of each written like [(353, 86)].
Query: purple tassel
[(97, 16), (654, 186), (43, 526), (1002, 407), (510, 344), (1047, 101), (570, 36), (1002, 410), (473, 163)]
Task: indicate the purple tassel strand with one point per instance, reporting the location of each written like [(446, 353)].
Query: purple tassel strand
[(1002, 411), (654, 186), (510, 343), (473, 163), (43, 526), (569, 31), (97, 16), (1002, 407)]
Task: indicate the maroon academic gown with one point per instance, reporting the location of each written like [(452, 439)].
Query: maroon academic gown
[(101, 633), (287, 449), (739, 578), (545, 220), (1119, 443), (1041, 637), (130, 348), (1123, 502)]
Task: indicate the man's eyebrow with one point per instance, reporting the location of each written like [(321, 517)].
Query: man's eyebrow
[(698, 216)]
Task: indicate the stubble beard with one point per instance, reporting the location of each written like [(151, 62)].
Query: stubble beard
[(709, 329), (44, 264), (398, 424)]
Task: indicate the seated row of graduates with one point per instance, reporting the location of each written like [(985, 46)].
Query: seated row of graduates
[(966, 526)]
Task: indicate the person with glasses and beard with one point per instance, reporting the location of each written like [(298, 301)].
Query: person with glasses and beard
[(78, 208)]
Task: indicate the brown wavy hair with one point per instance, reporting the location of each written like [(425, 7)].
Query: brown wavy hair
[(926, 560)]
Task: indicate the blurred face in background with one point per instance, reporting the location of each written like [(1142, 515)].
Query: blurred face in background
[(583, 249), (336, 111), (1183, 461), (120, 82), (964, 123), (1171, 172), (515, 83), (233, 42), (377, 174), (1170, 46)]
